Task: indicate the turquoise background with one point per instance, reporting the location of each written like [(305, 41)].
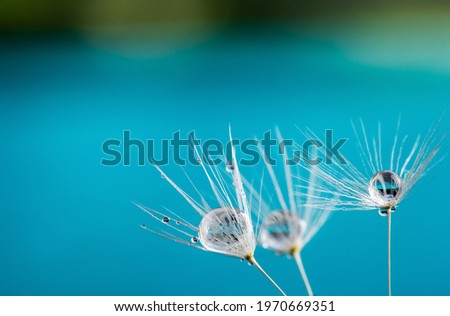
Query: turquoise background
[(67, 226)]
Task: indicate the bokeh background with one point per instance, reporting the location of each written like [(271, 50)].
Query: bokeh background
[(73, 74)]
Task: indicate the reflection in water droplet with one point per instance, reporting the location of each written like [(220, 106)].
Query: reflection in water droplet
[(227, 230), (194, 239), (282, 231), (385, 186), (165, 219)]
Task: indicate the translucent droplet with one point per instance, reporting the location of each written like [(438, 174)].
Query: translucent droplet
[(382, 212), (227, 230), (250, 263), (242, 260), (165, 219), (229, 167), (177, 222), (143, 226), (194, 239), (384, 187), (282, 231)]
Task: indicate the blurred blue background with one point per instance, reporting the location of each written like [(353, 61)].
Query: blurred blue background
[(69, 81)]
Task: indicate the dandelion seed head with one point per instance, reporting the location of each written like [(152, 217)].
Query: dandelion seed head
[(282, 232), (384, 188), (228, 231)]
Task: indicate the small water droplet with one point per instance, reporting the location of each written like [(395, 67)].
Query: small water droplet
[(165, 219), (230, 167), (177, 222), (250, 263), (242, 260), (143, 226), (194, 239)]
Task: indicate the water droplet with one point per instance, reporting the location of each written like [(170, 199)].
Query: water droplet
[(282, 231), (385, 186), (143, 226), (177, 222), (382, 212), (242, 260), (250, 263), (163, 175), (229, 167), (194, 239), (165, 219)]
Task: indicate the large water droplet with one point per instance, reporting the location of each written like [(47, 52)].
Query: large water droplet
[(227, 230), (165, 219), (385, 186), (281, 231)]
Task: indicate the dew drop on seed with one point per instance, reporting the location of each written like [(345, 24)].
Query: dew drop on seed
[(242, 260), (250, 263), (165, 219), (382, 212), (385, 186), (229, 167), (194, 239), (282, 231)]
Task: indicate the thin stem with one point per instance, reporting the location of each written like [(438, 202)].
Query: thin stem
[(256, 264), (299, 262), (389, 218)]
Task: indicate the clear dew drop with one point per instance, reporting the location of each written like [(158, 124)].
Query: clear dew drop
[(242, 260), (385, 186), (165, 219), (282, 231), (194, 239), (229, 167), (250, 263)]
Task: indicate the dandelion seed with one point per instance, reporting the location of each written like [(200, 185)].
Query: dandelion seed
[(226, 229), (376, 187), (286, 231)]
